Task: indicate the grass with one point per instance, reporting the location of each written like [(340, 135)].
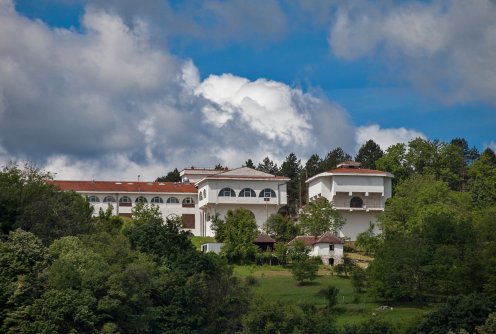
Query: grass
[(198, 241), (277, 282)]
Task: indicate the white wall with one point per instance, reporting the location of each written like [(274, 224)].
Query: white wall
[(357, 222)]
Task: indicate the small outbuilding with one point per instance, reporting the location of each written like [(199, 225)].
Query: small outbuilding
[(328, 247), (264, 242)]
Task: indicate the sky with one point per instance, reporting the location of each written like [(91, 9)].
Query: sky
[(109, 90)]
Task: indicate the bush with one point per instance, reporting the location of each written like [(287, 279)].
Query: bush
[(251, 280), (304, 271)]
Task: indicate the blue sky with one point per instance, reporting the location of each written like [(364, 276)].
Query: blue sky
[(345, 70)]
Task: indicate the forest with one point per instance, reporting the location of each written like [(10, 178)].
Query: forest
[(64, 271)]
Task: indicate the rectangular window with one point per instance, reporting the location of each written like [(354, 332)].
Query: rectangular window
[(331, 247), (188, 221)]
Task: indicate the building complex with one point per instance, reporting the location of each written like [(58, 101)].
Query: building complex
[(204, 193)]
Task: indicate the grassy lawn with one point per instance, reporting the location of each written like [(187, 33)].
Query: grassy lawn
[(198, 241), (277, 282)]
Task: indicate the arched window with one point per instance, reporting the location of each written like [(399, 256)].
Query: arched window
[(188, 200), (201, 195), (125, 201), (247, 192), (356, 202), (205, 193), (227, 192), (141, 199), (157, 200), (172, 200), (267, 192), (93, 199), (108, 199)]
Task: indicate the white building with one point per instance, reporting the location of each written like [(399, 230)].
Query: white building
[(203, 193), (173, 199), (328, 247), (359, 194), (261, 193)]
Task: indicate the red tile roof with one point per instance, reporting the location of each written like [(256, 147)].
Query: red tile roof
[(310, 240), (356, 171), (125, 186), (264, 238)]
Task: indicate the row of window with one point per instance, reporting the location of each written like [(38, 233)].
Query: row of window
[(127, 199), (247, 192)]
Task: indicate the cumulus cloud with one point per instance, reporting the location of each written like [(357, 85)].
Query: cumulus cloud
[(385, 137), (108, 103), (443, 47)]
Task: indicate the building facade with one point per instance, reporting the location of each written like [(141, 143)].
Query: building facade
[(359, 194), (261, 193), (173, 199)]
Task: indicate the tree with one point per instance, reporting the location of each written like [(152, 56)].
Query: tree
[(249, 163), (268, 166), (28, 201), (320, 216), (358, 279), (368, 154), (334, 158), (291, 168), (218, 225), (297, 251), (313, 166), (240, 231), (330, 293), (281, 228), (489, 326), (393, 161), (172, 176), (482, 180), (304, 271), (367, 241)]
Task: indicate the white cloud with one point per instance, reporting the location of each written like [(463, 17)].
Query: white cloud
[(108, 103), (385, 137), (443, 47)]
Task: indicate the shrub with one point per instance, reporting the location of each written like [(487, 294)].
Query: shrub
[(304, 271)]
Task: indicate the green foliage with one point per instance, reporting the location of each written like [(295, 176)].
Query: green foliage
[(345, 267), (330, 293), (29, 202), (281, 228), (334, 158), (249, 163), (268, 166), (172, 176), (240, 231), (313, 166), (368, 154), (489, 326), (297, 251), (371, 326), (482, 182), (358, 279), (304, 271), (218, 225), (367, 241), (459, 313), (281, 252), (393, 161), (273, 317), (291, 168), (320, 216)]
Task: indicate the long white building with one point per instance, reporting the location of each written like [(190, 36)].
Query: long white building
[(202, 193), (359, 194)]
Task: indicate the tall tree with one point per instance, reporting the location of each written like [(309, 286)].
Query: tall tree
[(393, 161), (268, 166), (239, 232), (249, 163), (172, 176), (320, 216), (282, 228), (368, 154), (291, 168), (334, 158), (482, 179), (313, 166)]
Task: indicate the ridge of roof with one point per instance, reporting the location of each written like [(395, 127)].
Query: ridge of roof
[(310, 240), (125, 186)]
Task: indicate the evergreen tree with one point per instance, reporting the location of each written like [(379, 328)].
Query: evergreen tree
[(334, 158), (368, 154), (291, 168), (268, 166), (172, 176)]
